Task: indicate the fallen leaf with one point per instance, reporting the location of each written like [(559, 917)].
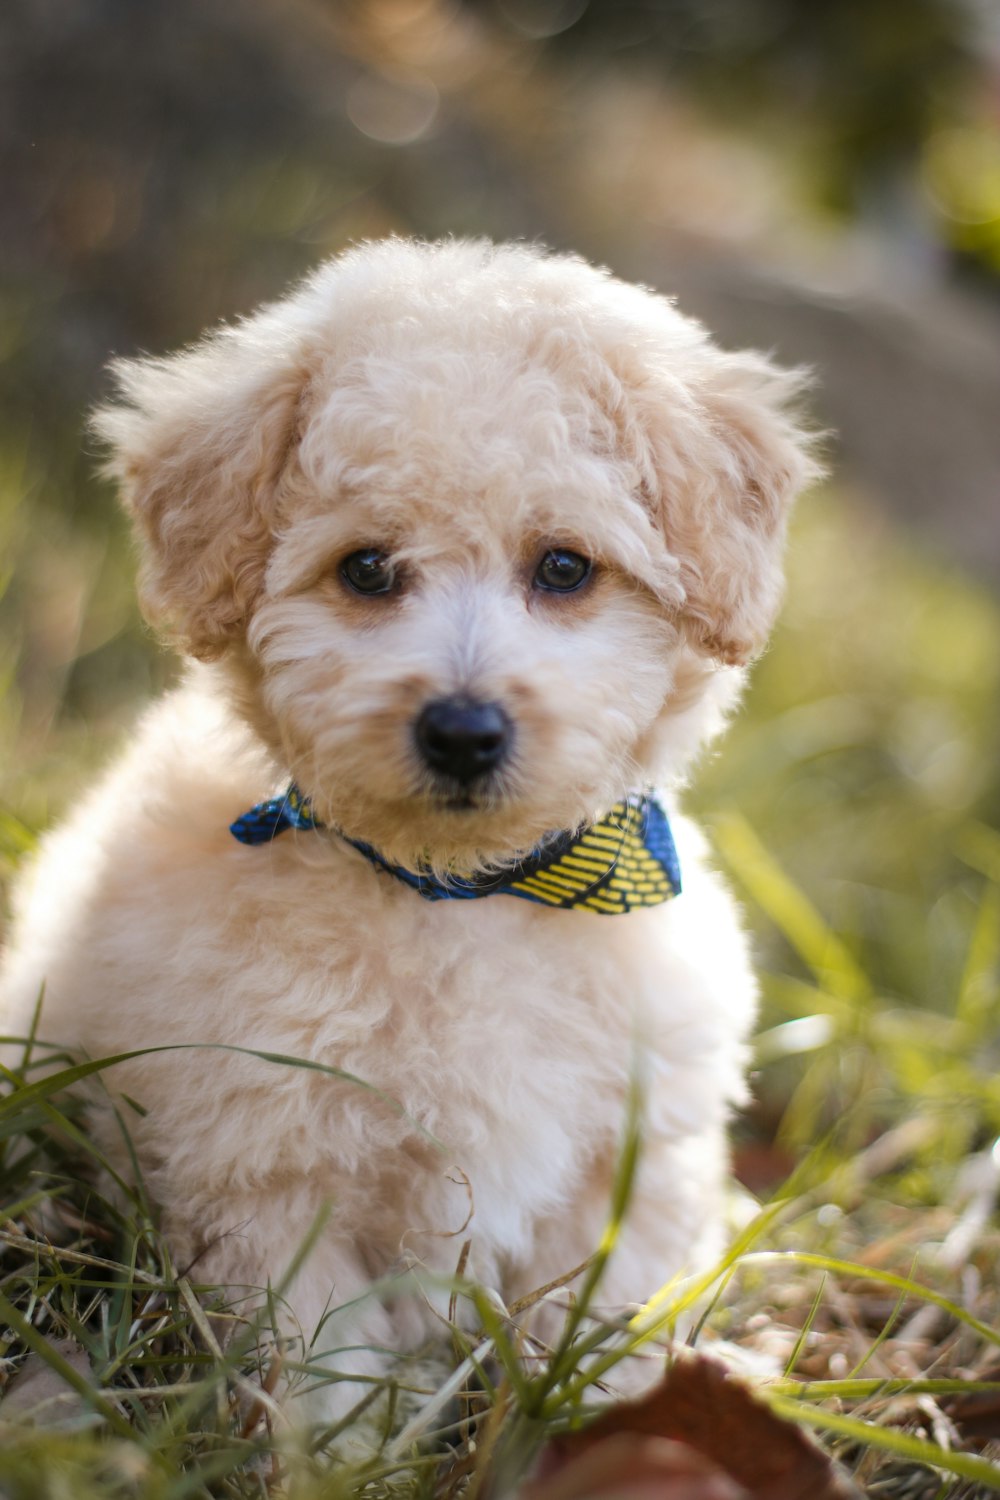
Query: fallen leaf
[(38, 1394), (705, 1410), (633, 1466)]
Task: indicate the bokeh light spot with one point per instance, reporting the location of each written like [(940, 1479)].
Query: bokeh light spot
[(542, 18), (394, 108)]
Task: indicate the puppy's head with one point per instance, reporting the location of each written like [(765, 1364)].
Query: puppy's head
[(473, 532)]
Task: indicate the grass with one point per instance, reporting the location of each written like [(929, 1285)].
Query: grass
[(854, 807), (134, 1396)]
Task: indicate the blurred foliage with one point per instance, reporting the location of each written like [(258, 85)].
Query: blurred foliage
[(869, 739), (868, 75), (863, 772), (891, 104)]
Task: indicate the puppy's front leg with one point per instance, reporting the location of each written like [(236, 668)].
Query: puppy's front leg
[(337, 1335), (671, 1228)]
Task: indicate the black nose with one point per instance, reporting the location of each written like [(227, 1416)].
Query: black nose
[(463, 739)]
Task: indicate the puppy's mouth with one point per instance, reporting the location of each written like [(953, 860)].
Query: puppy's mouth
[(462, 802), (445, 795)]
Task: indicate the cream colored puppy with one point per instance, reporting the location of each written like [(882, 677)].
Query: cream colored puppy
[(468, 544)]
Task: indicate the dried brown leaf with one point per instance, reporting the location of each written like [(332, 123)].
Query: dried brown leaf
[(38, 1394), (632, 1466), (710, 1414)]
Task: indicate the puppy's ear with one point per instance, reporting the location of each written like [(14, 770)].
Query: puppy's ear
[(727, 472), (198, 443)]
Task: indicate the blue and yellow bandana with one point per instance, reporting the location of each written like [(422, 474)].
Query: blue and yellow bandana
[(625, 861)]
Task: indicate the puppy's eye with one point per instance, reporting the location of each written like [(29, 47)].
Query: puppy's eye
[(560, 571), (368, 571)]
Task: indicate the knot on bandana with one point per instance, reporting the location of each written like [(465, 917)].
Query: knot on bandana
[(625, 861), (267, 819)]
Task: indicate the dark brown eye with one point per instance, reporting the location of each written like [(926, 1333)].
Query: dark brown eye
[(560, 572), (368, 571)]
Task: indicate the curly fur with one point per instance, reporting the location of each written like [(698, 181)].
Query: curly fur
[(463, 406)]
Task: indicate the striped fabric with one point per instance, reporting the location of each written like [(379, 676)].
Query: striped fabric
[(626, 861)]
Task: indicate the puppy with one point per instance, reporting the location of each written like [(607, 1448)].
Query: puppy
[(466, 546)]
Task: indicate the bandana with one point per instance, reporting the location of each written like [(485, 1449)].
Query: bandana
[(625, 861)]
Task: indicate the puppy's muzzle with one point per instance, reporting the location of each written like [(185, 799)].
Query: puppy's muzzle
[(463, 740)]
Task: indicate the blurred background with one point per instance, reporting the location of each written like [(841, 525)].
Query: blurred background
[(822, 181)]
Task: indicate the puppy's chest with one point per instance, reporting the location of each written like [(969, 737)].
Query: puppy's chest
[(464, 1012), (476, 987), (501, 1036)]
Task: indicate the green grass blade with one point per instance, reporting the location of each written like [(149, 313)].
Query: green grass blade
[(564, 1357), (67, 1077), (791, 911), (888, 1440)]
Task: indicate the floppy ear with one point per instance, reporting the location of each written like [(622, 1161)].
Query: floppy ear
[(729, 460), (198, 443)]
